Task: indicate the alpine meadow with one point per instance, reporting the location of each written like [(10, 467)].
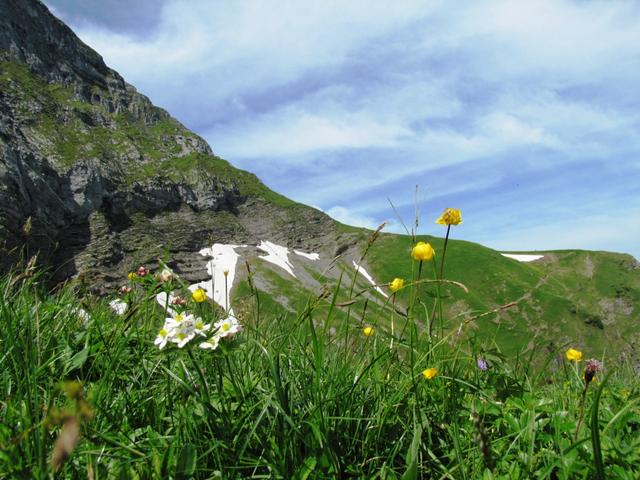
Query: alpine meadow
[(166, 315)]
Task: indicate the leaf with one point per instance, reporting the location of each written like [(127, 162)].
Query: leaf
[(411, 473), (595, 432), (305, 469), (79, 359), (186, 462)]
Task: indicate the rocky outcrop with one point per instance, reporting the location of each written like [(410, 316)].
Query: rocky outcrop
[(95, 178)]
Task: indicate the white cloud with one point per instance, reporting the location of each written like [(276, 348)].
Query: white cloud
[(289, 133), (593, 232), (349, 217)]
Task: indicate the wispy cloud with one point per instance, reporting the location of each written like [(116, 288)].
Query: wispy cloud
[(506, 110)]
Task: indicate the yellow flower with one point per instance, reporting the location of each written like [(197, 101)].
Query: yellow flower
[(429, 373), (199, 295), (450, 216), (132, 275), (574, 355), (368, 331), (396, 285), (422, 251)]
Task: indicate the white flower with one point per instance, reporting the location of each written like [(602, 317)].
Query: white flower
[(211, 344), (118, 306), (183, 332), (82, 314), (166, 275), (227, 327), (173, 322), (162, 338), (200, 327)]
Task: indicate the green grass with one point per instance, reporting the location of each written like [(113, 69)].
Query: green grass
[(288, 398), (573, 297)]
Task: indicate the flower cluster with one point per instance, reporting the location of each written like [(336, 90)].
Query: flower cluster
[(450, 216), (181, 328), (593, 366)]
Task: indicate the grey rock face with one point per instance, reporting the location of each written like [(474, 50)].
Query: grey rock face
[(105, 178)]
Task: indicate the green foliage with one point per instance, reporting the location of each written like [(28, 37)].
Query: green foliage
[(571, 297), (287, 398)]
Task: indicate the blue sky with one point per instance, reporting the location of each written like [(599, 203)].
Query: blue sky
[(525, 115)]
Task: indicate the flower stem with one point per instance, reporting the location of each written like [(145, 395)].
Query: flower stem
[(444, 252), (200, 373), (582, 399)]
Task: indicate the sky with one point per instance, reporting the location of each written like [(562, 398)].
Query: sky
[(524, 115)]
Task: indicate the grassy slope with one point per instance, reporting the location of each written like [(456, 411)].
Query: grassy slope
[(285, 400), (559, 302)]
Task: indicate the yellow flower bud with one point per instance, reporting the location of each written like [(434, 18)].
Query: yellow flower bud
[(132, 275), (396, 285), (422, 251), (450, 216), (429, 373), (574, 355), (199, 295), (368, 331)]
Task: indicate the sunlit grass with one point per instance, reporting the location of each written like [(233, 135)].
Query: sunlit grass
[(396, 394)]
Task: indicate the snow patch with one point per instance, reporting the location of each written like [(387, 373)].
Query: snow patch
[(165, 302), (310, 256), (223, 257), (522, 257), (278, 255), (369, 278)]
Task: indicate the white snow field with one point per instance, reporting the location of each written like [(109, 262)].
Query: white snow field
[(310, 256), (522, 257), (369, 278), (223, 257), (278, 255)]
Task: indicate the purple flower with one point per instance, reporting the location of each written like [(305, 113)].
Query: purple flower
[(593, 366), (482, 364)]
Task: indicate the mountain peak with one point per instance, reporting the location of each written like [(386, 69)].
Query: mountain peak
[(104, 177)]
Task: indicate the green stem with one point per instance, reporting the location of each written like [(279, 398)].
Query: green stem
[(437, 304), (444, 252), (200, 374)]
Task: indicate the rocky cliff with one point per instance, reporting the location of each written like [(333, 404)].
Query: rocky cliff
[(96, 179)]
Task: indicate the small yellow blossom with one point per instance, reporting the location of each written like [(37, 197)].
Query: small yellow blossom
[(450, 216), (422, 251), (132, 275), (396, 285), (199, 295), (368, 331), (429, 373), (574, 355)]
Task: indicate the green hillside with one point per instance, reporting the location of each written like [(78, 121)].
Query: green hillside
[(568, 297)]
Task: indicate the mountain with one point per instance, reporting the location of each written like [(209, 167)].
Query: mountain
[(97, 180), (107, 178)]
